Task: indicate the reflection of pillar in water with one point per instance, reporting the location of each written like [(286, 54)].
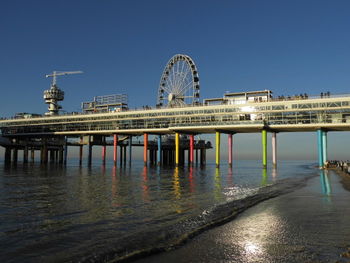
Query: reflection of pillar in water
[(264, 177), (274, 173), (230, 176), (190, 178), (176, 183), (145, 184), (217, 185), (326, 189)]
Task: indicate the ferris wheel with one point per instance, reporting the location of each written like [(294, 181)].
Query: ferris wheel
[(179, 84)]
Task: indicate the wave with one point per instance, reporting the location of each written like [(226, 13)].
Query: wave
[(150, 241)]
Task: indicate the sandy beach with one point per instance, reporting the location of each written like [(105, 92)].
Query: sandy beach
[(311, 224)]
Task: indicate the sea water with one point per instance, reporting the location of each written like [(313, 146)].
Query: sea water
[(76, 213)]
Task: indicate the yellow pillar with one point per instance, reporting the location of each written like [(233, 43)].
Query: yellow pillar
[(217, 155), (177, 148)]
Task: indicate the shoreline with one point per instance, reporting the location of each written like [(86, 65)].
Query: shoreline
[(307, 218)]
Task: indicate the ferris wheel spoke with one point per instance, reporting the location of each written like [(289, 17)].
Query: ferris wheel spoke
[(186, 86)]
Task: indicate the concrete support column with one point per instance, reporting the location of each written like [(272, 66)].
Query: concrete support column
[(90, 151), (60, 155), (191, 153), (159, 153), (115, 143), (80, 154), (145, 147), (15, 155), (32, 155), (320, 148), (124, 155), (7, 158), (52, 156), (177, 148), (65, 150), (264, 147), (274, 149), (121, 155), (217, 149), (230, 149), (130, 149), (324, 148), (25, 154)]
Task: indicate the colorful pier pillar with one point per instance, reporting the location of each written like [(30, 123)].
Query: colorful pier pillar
[(177, 148), (159, 153), (7, 155), (145, 146), (230, 149), (320, 148), (274, 149), (15, 155), (217, 149), (115, 143), (191, 154), (324, 148), (264, 147)]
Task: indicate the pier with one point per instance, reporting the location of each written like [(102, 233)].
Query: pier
[(174, 123)]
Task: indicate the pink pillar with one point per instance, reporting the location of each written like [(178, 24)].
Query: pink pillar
[(145, 146), (191, 149), (103, 154), (115, 143), (230, 149)]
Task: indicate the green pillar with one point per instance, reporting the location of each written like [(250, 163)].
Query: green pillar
[(264, 147)]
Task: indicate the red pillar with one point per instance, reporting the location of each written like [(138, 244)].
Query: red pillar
[(115, 143), (145, 146), (230, 149), (191, 149)]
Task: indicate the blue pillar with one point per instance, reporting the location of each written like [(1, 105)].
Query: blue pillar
[(324, 147), (320, 150), (159, 158)]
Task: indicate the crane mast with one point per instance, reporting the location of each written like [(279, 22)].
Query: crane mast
[(53, 95)]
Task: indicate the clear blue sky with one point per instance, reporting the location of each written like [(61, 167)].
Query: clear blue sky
[(290, 47)]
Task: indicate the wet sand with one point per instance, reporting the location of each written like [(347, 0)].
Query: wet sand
[(311, 224)]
